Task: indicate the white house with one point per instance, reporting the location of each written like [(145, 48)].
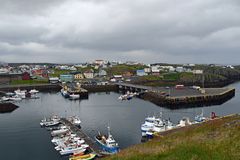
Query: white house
[(102, 72), (89, 74), (179, 69)]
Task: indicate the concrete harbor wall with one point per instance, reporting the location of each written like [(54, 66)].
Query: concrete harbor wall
[(189, 101), (100, 88), (40, 87)]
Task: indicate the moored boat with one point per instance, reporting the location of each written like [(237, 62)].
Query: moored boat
[(83, 157), (108, 143), (74, 96)]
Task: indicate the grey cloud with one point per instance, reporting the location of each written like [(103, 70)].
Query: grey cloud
[(145, 30)]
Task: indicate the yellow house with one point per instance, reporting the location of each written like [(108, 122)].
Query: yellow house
[(78, 75)]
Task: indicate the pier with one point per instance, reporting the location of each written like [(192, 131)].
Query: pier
[(92, 144), (75, 88), (174, 98)]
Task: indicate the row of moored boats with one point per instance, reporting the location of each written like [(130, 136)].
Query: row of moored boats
[(154, 125), (18, 95), (69, 143)]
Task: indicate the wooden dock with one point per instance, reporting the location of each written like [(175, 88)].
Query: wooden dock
[(92, 144)]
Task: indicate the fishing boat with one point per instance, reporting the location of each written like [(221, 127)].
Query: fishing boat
[(184, 122), (83, 157), (20, 93), (53, 121), (59, 132), (75, 120), (71, 150), (148, 125), (33, 91), (107, 143), (15, 98), (10, 94), (200, 118), (5, 98), (74, 96), (64, 93)]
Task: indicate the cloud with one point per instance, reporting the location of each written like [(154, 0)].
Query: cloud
[(154, 30)]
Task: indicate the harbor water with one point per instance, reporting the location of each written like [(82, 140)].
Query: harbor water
[(22, 138)]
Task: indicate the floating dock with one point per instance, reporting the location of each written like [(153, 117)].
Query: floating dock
[(92, 144)]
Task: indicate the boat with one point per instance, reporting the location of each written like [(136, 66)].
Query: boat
[(127, 96), (184, 122), (21, 93), (15, 98), (71, 150), (75, 120), (64, 93), (34, 96), (5, 98), (107, 143), (74, 96), (10, 94), (148, 125), (59, 132), (200, 118), (33, 91), (53, 121), (83, 157)]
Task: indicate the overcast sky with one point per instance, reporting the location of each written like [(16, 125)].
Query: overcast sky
[(174, 31)]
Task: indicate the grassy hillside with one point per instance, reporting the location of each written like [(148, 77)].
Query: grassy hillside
[(214, 140)]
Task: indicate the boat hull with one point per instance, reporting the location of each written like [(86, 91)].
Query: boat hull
[(110, 150)]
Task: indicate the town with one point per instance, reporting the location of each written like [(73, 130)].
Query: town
[(100, 72)]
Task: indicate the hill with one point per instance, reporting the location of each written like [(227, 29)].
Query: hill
[(217, 139)]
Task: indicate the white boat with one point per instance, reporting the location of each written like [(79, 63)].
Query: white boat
[(53, 121), (64, 93), (21, 93), (9, 94), (59, 132), (71, 150), (5, 98), (33, 91), (74, 96), (200, 118), (15, 98), (34, 96), (184, 122), (75, 120)]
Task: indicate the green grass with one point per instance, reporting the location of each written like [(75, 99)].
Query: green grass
[(120, 69), (17, 82), (213, 140), (58, 72), (171, 76)]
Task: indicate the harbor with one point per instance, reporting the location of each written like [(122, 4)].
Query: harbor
[(96, 113)]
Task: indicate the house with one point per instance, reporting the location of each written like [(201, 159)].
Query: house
[(197, 71), (53, 80), (89, 74), (180, 69), (66, 78), (26, 76), (102, 73), (147, 70), (77, 75), (127, 74), (155, 69), (40, 73), (99, 62), (141, 72)]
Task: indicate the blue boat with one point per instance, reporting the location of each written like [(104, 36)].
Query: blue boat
[(108, 144)]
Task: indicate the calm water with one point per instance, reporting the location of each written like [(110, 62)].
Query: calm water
[(21, 137)]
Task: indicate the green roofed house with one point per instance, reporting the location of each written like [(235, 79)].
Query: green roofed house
[(66, 78)]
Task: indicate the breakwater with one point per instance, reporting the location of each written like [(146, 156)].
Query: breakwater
[(186, 101), (40, 87), (101, 88), (175, 98), (7, 107)]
